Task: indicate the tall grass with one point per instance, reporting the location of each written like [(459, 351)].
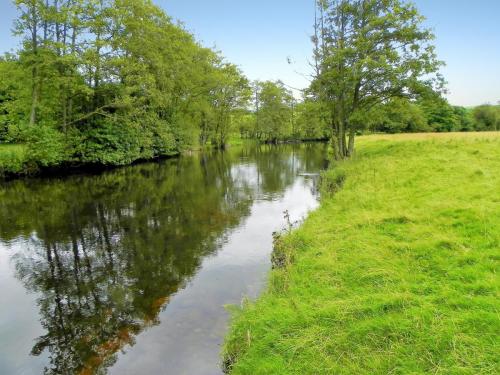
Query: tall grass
[(395, 273)]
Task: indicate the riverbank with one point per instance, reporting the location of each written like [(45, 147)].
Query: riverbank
[(394, 273), (16, 162)]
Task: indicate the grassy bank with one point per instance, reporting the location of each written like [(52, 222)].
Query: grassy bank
[(395, 273)]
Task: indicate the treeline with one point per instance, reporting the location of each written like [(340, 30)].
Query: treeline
[(112, 81), (435, 114), (275, 115)]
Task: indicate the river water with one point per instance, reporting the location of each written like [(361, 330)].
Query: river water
[(128, 271)]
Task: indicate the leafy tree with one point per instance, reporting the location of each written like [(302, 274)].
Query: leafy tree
[(464, 120), (399, 115), (117, 79), (311, 121), (367, 52), (231, 92), (440, 114), (487, 117), (273, 111), (9, 90)]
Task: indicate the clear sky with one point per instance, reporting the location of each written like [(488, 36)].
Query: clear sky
[(261, 35)]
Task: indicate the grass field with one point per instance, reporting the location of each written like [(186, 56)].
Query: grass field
[(395, 273)]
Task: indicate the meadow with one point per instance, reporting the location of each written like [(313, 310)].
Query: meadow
[(395, 273)]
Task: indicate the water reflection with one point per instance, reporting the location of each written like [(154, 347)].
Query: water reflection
[(104, 254)]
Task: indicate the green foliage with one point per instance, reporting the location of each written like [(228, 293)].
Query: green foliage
[(310, 121), (46, 146), (464, 120), (111, 143), (118, 79), (12, 159), (396, 273), (399, 115), (430, 113), (230, 94), (487, 117), (366, 53), (440, 115), (273, 111)]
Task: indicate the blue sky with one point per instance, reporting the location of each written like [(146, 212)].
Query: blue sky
[(260, 35)]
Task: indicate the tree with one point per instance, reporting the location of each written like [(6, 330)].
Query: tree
[(311, 121), (28, 24), (274, 111), (440, 114), (487, 117), (463, 118), (398, 115), (9, 92), (367, 52), (230, 92), (114, 81)]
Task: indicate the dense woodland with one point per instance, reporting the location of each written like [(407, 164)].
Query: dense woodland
[(113, 81)]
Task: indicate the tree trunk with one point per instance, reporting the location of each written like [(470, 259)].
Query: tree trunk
[(34, 71), (342, 143), (350, 150)]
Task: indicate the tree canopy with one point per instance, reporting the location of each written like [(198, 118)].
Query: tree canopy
[(367, 52), (113, 81)]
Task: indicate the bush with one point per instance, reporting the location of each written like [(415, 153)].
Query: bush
[(46, 146), (110, 143), (12, 159)]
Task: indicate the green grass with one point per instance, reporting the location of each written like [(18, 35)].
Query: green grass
[(395, 273), (236, 140), (12, 159)]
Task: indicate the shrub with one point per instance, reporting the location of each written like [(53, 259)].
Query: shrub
[(12, 158), (45, 146)]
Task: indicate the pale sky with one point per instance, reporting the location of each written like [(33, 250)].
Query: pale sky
[(261, 35)]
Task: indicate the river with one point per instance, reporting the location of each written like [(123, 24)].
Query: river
[(128, 271)]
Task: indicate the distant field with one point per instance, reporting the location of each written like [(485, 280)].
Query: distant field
[(471, 136), (395, 273)]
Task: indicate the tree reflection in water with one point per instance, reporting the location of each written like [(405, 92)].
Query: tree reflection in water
[(107, 251)]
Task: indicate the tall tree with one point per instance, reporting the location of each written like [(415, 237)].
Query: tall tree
[(273, 111), (28, 25), (230, 93), (367, 52)]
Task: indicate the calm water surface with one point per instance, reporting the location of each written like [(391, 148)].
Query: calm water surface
[(128, 271)]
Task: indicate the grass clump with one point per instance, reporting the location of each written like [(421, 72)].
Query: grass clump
[(399, 271)]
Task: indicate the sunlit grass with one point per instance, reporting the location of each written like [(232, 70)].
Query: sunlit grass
[(396, 273)]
